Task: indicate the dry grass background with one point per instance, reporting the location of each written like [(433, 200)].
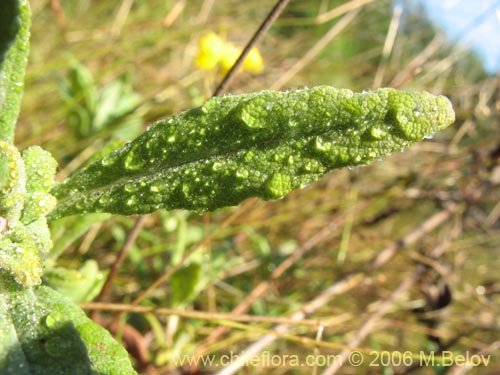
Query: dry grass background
[(399, 256)]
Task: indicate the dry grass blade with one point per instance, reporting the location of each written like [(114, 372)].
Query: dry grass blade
[(388, 45), (316, 49), (371, 323), (340, 10), (200, 315), (345, 284), (264, 286)]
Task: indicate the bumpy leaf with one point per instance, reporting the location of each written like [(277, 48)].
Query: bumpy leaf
[(14, 47), (24, 202), (45, 333), (40, 171), (263, 144)]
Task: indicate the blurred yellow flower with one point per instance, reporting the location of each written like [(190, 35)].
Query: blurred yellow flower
[(229, 57), (211, 47), (253, 62), (213, 51)]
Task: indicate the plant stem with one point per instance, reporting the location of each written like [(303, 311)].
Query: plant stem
[(266, 24)]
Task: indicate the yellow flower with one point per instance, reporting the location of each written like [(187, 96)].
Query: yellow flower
[(253, 62), (213, 51), (210, 50), (229, 57)]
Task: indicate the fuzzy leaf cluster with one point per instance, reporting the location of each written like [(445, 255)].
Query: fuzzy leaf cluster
[(25, 201)]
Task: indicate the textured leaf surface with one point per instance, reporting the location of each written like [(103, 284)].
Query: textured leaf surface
[(263, 144), (24, 202), (45, 333), (14, 48)]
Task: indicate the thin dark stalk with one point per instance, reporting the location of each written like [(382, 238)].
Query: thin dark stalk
[(119, 259), (266, 24)]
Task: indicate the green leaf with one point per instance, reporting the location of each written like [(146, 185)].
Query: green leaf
[(79, 285), (90, 110), (42, 332), (14, 48), (186, 284), (19, 254), (40, 169), (263, 144)]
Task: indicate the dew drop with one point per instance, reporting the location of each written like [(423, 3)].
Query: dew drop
[(132, 201), (133, 161), (131, 187), (241, 173), (109, 159), (186, 190), (103, 200), (292, 123), (54, 319), (377, 133), (217, 166), (150, 144), (308, 166), (249, 156), (319, 145)]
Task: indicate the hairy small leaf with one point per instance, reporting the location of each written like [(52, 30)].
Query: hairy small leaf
[(14, 48), (12, 182), (263, 144)]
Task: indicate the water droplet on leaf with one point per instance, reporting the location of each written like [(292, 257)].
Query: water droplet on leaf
[(130, 187), (54, 319)]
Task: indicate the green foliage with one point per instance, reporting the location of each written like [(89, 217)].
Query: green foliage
[(44, 333), (80, 285), (263, 144), (90, 110), (14, 48)]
